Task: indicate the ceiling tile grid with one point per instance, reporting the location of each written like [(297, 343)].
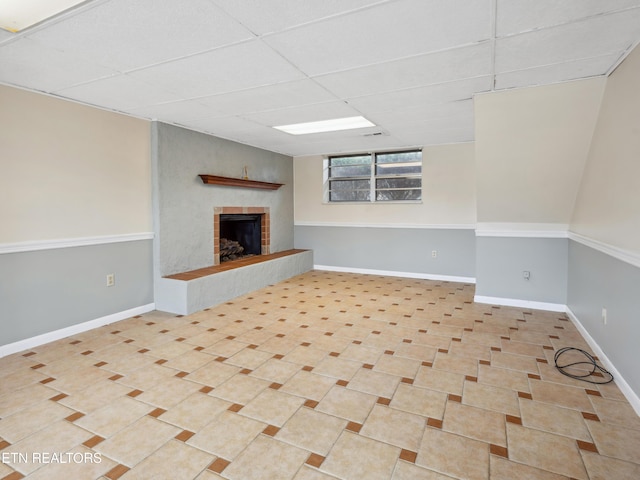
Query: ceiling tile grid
[(236, 68)]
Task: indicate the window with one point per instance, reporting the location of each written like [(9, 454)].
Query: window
[(375, 177)]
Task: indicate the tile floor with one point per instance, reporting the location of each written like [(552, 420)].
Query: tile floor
[(324, 376)]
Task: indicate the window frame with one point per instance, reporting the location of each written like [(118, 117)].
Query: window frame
[(372, 177)]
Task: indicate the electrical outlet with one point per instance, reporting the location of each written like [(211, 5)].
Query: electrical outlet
[(526, 274), (604, 316), (434, 253), (111, 280)]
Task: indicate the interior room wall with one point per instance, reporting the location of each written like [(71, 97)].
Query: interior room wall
[(531, 147), (394, 237), (75, 203), (604, 260)]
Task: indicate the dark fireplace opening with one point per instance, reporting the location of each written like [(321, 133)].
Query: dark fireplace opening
[(240, 236)]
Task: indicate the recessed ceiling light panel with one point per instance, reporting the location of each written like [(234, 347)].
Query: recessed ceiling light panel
[(333, 125), (16, 15)]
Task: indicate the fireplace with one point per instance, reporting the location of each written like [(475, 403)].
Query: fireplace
[(240, 232)]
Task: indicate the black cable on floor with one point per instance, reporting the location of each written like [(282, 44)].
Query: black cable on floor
[(590, 361)]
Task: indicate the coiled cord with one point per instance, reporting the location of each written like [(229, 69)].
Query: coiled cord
[(590, 361)]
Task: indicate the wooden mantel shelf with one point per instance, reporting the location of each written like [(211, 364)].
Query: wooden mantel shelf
[(238, 182)]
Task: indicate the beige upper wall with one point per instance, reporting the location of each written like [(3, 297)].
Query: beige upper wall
[(608, 204), (531, 148), (70, 171), (448, 193)]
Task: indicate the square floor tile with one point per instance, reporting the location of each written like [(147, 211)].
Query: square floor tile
[(347, 404), (312, 430)]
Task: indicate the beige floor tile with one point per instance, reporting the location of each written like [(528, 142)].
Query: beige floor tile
[(421, 401), (479, 338), (561, 395), (225, 348), (424, 353), (272, 407), (402, 367), (79, 380), (32, 419), (213, 374), (60, 436), (545, 451), (249, 358), (514, 362), (374, 383), (99, 395), (240, 389), (115, 416), (456, 364), (195, 411), (137, 441), (600, 467), (276, 370), (454, 455), (470, 350), (127, 365), (357, 457), (267, 458), (553, 419), (409, 471), (22, 398), (347, 404), (312, 430), (338, 368), (302, 355), (503, 469), (171, 461), (616, 412), (228, 435), (169, 393), (20, 379), (616, 441), (394, 427), (362, 353), (435, 340), (491, 398), (309, 385), (189, 361), (476, 423), (278, 345), (520, 348), (147, 377), (502, 377), (440, 380)]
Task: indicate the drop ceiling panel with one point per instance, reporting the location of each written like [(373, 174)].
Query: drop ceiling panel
[(447, 66), (174, 112), (594, 37), (122, 34), (47, 69), (282, 14), (238, 67), (270, 97), (560, 72), (421, 96), (516, 16), (306, 113), (383, 33), (119, 92)]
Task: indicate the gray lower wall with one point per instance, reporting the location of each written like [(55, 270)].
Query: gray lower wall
[(46, 290), (501, 261), (597, 281), (391, 249)]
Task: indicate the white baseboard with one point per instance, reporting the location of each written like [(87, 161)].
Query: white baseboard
[(624, 387), (72, 330), (512, 302), (390, 273)]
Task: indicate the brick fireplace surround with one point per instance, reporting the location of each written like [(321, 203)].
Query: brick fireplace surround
[(265, 241)]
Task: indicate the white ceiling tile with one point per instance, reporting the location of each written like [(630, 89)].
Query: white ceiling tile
[(516, 16), (602, 35), (227, 127), (447, 66), (119, 92), (174, 112), (560, 72), (125, 34), (281, 95), (238, 67), (305, 113), (282, 14), (423, 114), (429, 95), (46, 69), (385, 32)]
